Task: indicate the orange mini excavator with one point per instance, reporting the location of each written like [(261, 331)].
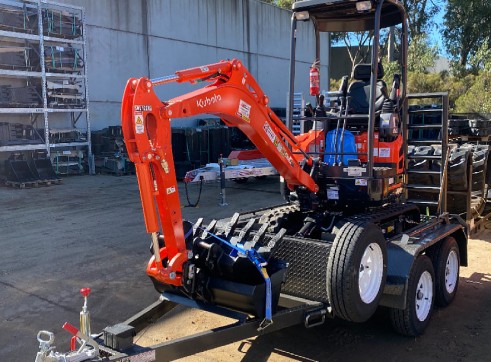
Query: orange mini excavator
[(342, 237)]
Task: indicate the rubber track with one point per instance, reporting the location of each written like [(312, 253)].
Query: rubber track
[(378, 216)]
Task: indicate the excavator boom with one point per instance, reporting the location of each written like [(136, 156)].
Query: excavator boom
[(237, 99)]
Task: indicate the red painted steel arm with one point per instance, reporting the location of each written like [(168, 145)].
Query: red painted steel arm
[(238, 100)]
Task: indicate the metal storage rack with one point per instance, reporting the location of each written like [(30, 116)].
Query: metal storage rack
[(44, 37)]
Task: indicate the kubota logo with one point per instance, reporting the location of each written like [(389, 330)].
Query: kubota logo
[(202, 103)]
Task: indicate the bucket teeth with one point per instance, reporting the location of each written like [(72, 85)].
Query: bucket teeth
[(274, 240), (259, 237), (247, 229), (197, 227), (209, 229), (231, 226), (243, 233)]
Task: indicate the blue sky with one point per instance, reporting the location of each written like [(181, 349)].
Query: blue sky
[(435, 36)]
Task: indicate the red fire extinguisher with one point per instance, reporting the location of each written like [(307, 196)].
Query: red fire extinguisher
[(314, 80)]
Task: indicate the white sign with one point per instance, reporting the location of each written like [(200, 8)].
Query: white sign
[(244, 111)]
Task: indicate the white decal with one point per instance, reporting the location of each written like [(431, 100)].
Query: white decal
[(333, 194), (360, 182), (139, 126), (270, 133), (277, 143), (391, 181), (204, 69), (354, 171), (202, 103), (143, 108), (384, 152), (244, 111), (171, 190)]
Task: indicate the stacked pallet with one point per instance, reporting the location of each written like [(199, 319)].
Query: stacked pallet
[(17, 134), (109, 152), (63, 59), (28, 96), (65, 94), (66, 135), (18, 19), (15, 56), (62, 24)]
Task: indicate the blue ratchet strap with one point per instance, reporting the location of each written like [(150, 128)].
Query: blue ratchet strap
[(260, 265), (188, 233)]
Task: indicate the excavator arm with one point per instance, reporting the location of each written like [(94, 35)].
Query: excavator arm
[(237, 99)]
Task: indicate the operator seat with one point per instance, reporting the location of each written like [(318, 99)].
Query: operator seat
[(359, 90)]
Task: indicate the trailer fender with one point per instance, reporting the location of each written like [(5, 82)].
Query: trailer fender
[(461, 239), (401, 255), (399, 263)]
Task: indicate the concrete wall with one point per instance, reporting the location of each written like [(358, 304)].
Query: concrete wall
[(132, 38)]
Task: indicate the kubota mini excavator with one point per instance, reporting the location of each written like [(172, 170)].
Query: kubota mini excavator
[(346, 238)]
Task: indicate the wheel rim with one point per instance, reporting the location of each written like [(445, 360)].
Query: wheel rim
[(424, 296), (451, 271), (371, 271)]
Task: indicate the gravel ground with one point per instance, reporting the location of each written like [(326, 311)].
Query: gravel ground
[(89, 231)]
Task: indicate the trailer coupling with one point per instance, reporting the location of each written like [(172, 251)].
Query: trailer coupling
[(88, 350)]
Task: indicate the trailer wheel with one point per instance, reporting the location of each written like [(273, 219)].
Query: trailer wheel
[(412, 320), (446, 263), (357, 266)]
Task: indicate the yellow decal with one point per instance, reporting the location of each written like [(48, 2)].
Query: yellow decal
[(139, 126), (244, 111)]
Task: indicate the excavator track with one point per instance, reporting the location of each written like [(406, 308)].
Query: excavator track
[(277, 218), (308, 258)]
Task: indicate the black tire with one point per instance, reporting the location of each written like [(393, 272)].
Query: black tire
[(352, 241), (406, 321), (444, 256)]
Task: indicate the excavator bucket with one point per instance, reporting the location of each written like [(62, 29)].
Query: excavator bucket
[(234, 267)]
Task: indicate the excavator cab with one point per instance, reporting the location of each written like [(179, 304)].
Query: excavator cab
[(362, 158)]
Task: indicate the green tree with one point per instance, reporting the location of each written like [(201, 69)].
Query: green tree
[(286, 4), (481, 59), (466, 28), (421, 15), (421, 55), (476, 98)]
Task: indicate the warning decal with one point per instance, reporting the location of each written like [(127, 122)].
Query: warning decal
[(139, 126), (244, 111), (361, 182)]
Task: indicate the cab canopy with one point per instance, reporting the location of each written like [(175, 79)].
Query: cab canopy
[(348, 15)]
